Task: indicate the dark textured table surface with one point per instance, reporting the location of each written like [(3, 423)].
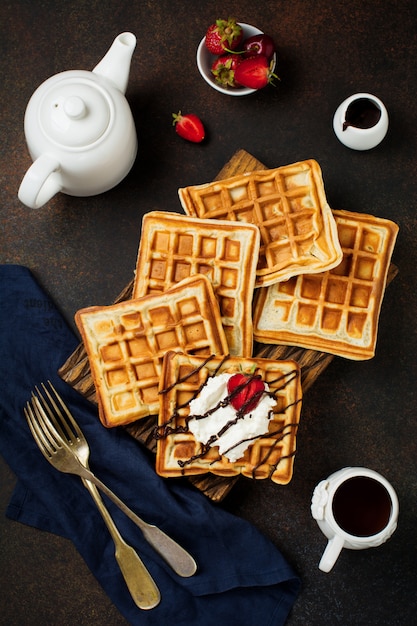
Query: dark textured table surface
[(83, 251)]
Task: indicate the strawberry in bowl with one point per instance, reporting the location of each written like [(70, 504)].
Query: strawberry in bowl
[(223, 36), (224, 68), (254, 72), (252, 44)]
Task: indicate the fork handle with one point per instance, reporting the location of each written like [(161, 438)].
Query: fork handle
[(176, 556), (140, 583)]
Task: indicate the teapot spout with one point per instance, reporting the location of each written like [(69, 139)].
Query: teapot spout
[(115, 65)]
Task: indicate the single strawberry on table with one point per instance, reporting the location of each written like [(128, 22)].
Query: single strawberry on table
[(246, 391), (189, 127), (254, 72), (223, 36)]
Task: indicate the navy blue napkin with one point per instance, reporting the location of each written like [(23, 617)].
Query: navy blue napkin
[(242, 577)]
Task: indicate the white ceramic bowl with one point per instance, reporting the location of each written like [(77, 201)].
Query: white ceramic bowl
[(205, 60)]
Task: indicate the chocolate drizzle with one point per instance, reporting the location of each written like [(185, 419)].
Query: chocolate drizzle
[(265, 458), (212, 440), (185, 378), (164, 430)]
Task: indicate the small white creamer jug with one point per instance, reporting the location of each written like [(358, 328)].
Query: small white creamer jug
[(355, 508), (80, 130), (361, 121)]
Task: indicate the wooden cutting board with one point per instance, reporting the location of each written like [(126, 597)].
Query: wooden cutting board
[(76, 370)]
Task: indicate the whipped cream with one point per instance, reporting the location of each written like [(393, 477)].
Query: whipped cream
[(238, 437)]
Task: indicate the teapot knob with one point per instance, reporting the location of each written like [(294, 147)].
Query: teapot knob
[(74, 107)]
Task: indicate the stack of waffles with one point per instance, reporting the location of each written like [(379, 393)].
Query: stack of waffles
[(174, 247), (321, 273), (336, 311), (259, 256)]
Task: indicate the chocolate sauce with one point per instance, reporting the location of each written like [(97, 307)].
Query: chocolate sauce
[(185, 378), (272, 448), (264, 436), (204, 449), (164, 430), (362, 113)]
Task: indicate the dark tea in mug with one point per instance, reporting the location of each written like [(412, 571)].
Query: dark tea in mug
[(362, 506)]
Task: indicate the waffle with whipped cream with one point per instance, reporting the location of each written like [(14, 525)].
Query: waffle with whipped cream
[(335, 311), (269, 455), (288, 204), (126, 342), (175, 246)]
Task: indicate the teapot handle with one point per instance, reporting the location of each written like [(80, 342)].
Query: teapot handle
[(41, 182)]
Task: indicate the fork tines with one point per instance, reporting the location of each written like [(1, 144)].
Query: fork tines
[(58, 413)]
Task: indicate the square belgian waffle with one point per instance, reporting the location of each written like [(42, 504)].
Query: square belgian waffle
[(173, 247), (288, 204), (270, 456), (336, 311), (126, 342)]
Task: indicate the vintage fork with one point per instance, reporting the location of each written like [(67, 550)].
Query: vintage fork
[(140, 583), (69, 452)]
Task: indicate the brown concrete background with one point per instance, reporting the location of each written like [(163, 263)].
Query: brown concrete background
[(83, 251)]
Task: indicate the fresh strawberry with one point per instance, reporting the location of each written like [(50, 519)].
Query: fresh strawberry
[(245, 391), (223, 69), (189, 127), (223, 36), (254, 72)]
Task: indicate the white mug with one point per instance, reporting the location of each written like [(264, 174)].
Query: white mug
[(355, 508), (361, 121)]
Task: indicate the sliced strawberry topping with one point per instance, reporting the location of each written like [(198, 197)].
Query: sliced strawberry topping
[(245, 392)]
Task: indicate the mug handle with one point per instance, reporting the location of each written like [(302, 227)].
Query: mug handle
[(41, 182), (331, 553)]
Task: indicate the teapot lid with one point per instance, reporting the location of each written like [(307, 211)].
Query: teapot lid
[(75, 113)]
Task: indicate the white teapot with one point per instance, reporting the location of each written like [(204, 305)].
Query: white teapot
[(80, 130)]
